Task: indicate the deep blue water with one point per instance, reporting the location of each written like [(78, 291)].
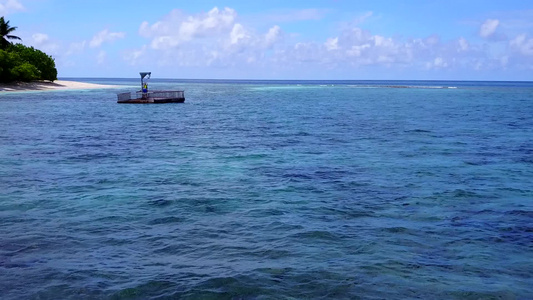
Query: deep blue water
[(269, 190)]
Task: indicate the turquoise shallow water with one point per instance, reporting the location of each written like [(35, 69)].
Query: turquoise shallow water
[(269, 190)]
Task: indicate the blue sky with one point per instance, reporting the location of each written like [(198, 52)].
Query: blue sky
[(313, 39)]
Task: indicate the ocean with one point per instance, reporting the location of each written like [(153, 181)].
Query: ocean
[(269, 190)]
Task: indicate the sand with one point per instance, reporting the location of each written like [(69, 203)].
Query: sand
[(48, 85)]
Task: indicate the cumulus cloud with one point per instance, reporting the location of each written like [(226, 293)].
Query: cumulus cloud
[(44, 43), (272, 36), (488, 28), (437, 63), (218, 38), (215, 19), (10, 6), (177, 28), (105, 36), (356, 48), (238, 33), (214, 38), (332, 44), (522, 44)]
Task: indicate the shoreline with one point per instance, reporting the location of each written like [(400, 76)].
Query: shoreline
[(51, 86)]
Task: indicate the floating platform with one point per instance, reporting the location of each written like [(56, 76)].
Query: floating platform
[(152, 97)]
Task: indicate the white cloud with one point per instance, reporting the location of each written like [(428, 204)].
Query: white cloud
[(214, 38), (357, 50), (522, 44), (105, 36), (432, 40), (355, 46), (488, 28), (101, 57), (39, 38), (145, 29), (437, 63), (10, 6), (332, 44), (462, 44), (238, 33), (76, 47), (133, 57), (219, 40), (177, 28), (272, 36), (164, 42), (214, 21), (43, 42)]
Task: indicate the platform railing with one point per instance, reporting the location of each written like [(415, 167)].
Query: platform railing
[(124, 96), (155, 94), (161, 94)]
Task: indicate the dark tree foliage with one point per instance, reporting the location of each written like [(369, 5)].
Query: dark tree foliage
[(44, 63), (22, 63)]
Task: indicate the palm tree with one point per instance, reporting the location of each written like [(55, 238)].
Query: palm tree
[(5, 31)]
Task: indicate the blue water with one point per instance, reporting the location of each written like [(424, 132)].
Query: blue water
[(269, 190)]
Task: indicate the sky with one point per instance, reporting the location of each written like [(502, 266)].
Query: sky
[(289, 39)]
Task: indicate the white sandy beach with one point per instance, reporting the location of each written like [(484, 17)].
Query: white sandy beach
[(48, 85)]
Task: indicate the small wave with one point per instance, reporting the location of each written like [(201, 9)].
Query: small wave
[(418, 131), (165, 220), (297, 176), (317, 235), (363, 86), (396, 229), (418, 87), (357, 86), (522, 213), (160, 202)]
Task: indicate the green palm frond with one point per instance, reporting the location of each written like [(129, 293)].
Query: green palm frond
[(5, 35)]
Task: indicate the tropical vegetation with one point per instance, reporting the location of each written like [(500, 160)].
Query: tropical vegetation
[(22, 63)]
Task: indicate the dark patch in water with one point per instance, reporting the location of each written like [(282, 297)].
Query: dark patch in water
[(477, 163), (147, 290), (317, 235), (522, 213), (396, 229), (160, 202), (418, 131), (165, 220)]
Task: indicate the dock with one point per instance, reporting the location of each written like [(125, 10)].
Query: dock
[(144, 96), (152, 97)]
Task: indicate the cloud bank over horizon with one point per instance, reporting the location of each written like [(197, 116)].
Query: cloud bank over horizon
[(223, 43)]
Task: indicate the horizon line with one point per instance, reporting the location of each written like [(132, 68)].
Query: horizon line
[(240, 79)]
